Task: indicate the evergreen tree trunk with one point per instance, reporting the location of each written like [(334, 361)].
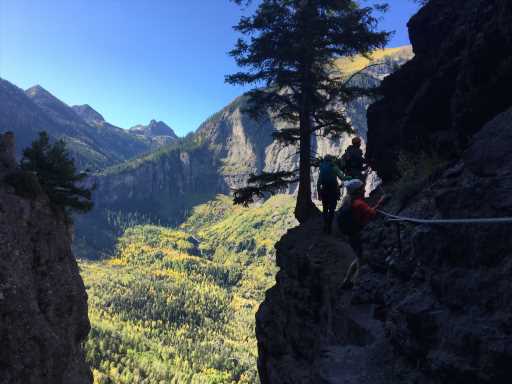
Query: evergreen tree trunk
[(305, 209)]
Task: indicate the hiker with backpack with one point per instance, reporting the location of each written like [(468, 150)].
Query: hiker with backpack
[(353, 216), (329, 189), (354, 161)]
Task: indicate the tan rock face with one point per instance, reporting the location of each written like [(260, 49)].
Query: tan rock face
[(43, 303)]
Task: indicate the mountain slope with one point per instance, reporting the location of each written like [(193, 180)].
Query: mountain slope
[(218, 157), (93, 142), (101, 142), (88, 114), (157, 134)]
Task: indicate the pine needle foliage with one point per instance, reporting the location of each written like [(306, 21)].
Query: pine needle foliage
[(57, 175), (288, 51)]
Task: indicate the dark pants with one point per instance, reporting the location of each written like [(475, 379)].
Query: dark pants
[(330, 198), (357, 244)]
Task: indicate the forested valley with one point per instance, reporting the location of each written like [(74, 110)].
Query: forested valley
[(178, 305)]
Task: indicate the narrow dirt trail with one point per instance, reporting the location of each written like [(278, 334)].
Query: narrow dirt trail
[(366, 356)]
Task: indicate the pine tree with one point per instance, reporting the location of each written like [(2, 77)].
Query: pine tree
[(57, 174), (288, 52)]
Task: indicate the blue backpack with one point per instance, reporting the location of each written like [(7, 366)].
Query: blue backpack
[(327, 175)]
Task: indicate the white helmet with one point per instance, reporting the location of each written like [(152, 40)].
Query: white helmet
[(354, 185)]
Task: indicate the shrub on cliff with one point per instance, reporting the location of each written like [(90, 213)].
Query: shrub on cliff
[(25, 184), (57, 174)]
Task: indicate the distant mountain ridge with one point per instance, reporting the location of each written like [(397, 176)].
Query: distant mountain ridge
[(88, 114), (93, 142)]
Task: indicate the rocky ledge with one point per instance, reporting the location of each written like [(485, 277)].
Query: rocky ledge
[(43, 303), (436, 309)]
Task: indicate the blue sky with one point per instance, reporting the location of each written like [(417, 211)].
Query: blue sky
[(134, 60)]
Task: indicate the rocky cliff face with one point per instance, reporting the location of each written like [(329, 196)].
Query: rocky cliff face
[(433, 307), (43, 303), (447, 304), (454, 84), (307, 329)]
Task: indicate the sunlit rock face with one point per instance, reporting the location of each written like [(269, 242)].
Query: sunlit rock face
[(43, 303)]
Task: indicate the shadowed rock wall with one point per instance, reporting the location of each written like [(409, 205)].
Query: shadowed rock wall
[(434, 308), (457, 81), (43, 303)]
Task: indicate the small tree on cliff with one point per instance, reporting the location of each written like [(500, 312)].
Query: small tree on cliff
[(57, 174), (290, 50)]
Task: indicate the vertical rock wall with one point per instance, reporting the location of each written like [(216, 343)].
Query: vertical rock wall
[(457, 81), (43, 303), (434, 307)]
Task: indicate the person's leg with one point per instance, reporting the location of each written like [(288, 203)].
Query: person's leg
[(329, 206), (357, 244), (353, 271), (325, 211), (330, 211)]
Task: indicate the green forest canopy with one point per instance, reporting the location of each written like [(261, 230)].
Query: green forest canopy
[(178, 305)]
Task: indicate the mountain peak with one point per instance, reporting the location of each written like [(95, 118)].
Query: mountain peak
[(89, 114), (51, 104), (154, 128), (38, 91)]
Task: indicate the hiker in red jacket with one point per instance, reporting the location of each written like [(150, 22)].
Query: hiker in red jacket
[(352, 218)]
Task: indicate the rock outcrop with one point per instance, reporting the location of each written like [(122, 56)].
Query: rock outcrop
[(455, 83), (446, 296), (308, 332), (432, 306), (434, 309), (43, 303)]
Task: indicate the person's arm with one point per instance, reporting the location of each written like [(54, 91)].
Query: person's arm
[(365, 212), (340, 174)]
